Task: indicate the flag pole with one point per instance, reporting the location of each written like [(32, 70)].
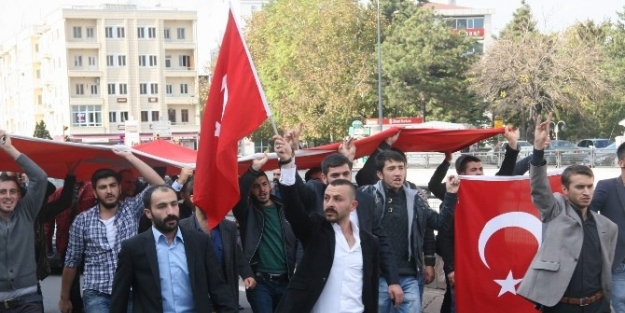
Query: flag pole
[(249, 56)]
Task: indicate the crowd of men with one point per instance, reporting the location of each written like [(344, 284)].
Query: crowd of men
[(319, 244)]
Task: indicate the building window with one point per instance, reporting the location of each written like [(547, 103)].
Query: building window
[(143, 89), (140, 32), (152, 60), (153, 88), (121, 32), (184, 115), (108, 32), (78, 60), (110, 60), (184, 89), (86, 115), (123, 116), (39, 99), (95, 90), (112, 117), (91, 61), (181, 34), (169, 88), (121, 60), (80, 89), (77, 32), (111, 88), (36, 47), (155, 115), (168, 61), (144, 116), (166, 33), (123, 89), (184, 61), (38, 73), (142, 60), (151, 32), (90, 32), (171, 113)]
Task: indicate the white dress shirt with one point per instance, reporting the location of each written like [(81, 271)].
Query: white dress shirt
[(343, 290)]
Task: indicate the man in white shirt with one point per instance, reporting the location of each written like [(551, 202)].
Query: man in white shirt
[(339, 271)]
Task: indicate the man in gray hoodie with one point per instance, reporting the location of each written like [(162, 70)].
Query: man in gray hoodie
[(18, 276)]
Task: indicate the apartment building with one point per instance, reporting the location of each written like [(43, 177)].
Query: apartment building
[(88, 71)]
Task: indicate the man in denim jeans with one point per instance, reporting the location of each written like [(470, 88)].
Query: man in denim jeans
[(609, 200), (97, 233)]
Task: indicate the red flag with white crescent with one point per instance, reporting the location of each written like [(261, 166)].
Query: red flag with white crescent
[(497, 234), (235, 108)]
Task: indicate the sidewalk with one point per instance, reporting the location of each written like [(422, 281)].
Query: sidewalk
[(432, 300)]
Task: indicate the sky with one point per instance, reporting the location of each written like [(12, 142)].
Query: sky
[(551, 15)]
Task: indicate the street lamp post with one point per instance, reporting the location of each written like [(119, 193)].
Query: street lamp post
[(380, 112), (556, 127)]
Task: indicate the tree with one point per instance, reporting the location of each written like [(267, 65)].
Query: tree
[(314, 59), (425, 64), (522, 22), (41, 131)]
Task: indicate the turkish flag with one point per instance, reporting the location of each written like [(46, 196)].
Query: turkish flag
[(235, 107), (498, 232)]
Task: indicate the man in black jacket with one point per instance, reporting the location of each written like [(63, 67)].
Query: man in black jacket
[(267, 239), (339, 269), (465, 165)]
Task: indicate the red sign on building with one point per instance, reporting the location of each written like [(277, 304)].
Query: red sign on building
[(471, 32)]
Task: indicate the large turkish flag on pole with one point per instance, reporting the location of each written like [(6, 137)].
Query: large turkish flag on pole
[(498, 232), (235, 107)]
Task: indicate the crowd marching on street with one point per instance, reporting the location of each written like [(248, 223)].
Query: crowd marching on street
[(319, 243)]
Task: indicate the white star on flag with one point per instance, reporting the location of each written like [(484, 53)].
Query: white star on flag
[(507, 285)]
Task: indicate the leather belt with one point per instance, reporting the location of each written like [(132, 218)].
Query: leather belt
[(273, 277), (16, 302), (583, 301)]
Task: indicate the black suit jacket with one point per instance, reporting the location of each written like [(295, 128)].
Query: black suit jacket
[(609, 200), (137, 267), (318, 238), (312, 193), (235, 264)]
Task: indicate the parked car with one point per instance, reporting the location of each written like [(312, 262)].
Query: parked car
[(496, 155), (603, 156), (567, 152), (596, 143)]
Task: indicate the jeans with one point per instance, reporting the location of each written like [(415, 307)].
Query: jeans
[(412, 296), (99, 302), (618, 289), (265, 296)]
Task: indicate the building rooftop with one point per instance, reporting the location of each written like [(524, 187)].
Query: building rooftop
[(442, 6)]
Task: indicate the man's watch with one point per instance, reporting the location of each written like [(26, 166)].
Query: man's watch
[(285, 162)]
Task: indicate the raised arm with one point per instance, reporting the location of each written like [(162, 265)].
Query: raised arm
[(542, 197), (434, 185), (368, 173), (32, 201), (145, 171), (245, 185), (444, 219)]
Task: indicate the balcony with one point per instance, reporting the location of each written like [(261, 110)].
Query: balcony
[(86, 100), (85, 71), (180, 72), (179, 44), (83, 44), (180, 99)]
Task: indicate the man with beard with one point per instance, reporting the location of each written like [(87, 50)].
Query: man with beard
[(97, 233), (268, 241), (169, 269)]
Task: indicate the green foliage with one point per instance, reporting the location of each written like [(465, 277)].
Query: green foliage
[(425, 65), (522, 22), (41, 131), (314, 59)]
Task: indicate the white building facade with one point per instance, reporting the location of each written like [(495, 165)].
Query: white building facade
[(475, 22), (88, 70)]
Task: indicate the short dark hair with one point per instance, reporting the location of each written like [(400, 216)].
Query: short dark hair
[(334, 160), (345, 182), (102, 174), (388, 155), (575, 170), (461, 162), (620, 152), (312, 171), (121, 173), (147, 195), (4, 178), (188, 186)]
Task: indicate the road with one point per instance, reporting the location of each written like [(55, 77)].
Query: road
[(51, 288)]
